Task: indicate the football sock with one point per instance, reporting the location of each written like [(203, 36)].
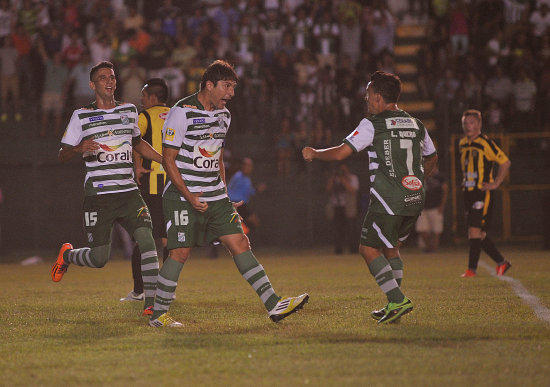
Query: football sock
[(254, 273), (149, 263), (491, 250), (475, 251), (383, 274), (397, 267), (95, 257), (136, 271), (166, 286)]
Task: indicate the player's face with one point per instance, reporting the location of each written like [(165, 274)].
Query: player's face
[(222, 93), (146, 100), (471, 126), (104, 84)]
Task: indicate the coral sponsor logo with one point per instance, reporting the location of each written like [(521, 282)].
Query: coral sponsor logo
[(114, 153), (411, 182), (206, 158)]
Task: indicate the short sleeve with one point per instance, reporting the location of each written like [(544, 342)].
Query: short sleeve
[(73, 134), (174, 128), (362, 136), (428, 147), (142, 123)]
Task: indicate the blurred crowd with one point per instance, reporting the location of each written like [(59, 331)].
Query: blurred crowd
[(491, 55), (303, 64)]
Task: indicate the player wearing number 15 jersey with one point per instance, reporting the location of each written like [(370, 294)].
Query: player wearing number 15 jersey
[(399, 150), (105, 134)]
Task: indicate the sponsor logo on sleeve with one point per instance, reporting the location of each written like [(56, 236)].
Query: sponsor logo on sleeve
[(170, 133), (163, 115), (124, 119)]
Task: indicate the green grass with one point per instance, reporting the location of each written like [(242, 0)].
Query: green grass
[(462, 332)]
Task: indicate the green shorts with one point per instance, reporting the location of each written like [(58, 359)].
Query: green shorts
[(186, 227), (101, 211), (383, 230)]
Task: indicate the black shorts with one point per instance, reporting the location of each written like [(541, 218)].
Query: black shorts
[(477, 205), (154, 203)]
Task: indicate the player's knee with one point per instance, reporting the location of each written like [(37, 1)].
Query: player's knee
[(144, 239), (99, 256)]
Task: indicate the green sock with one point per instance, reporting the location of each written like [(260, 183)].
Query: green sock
[(254, 273), (149, 263), (397, 268), (166, 286), (382, 272)]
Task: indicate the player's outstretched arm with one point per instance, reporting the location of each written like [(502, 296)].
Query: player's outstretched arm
[(336, 153), (146, 150), (430, 163)]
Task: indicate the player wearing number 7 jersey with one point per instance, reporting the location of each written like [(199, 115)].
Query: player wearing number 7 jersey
[(400, 153)]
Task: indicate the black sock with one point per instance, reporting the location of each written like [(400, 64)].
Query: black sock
[(136, 271), (490, 248), (475, 251)]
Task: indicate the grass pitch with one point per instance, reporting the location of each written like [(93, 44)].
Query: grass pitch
[(461, 332)]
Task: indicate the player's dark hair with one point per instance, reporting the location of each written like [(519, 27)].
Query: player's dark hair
[(157, 87), (472, 112), (388, 85), (97, 67), (218, 70)]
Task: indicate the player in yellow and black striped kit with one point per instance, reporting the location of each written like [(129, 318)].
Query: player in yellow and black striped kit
[(478, 154), (150, 175)]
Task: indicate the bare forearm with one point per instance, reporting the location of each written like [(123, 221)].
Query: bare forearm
[(503, 170), (148, 152), (174, 175)]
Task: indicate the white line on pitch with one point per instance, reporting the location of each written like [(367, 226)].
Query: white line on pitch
[(533, 301)]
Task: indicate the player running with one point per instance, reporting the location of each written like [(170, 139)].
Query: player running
[(105, 133), (196, 207), (400, 154)]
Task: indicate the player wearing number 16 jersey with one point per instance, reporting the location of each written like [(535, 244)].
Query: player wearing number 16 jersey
[(196, 207), (399, 150)]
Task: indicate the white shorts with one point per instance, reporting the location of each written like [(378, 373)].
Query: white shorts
[(430, 220)]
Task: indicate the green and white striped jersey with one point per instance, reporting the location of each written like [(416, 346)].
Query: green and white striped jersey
[(110, 168), (396, 143), (199, 136)]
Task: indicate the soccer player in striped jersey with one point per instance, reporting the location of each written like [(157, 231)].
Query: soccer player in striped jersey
[(196, 207), (478, 154), (401, 153), (105, 133)]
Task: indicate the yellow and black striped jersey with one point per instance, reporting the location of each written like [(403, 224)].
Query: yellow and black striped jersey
[(477, 158), (150, 123)]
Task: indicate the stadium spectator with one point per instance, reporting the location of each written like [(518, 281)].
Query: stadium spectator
[(174, 77), (499, 87), (56, 82), (79, 78), (7, 19), (9, 80), (478, 154), (326, 32), (397, 199), (132, 78), (187, 204), (524, 99), (343, 189)]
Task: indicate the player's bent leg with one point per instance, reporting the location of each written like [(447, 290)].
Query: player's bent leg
[(95, 257), (149, 263)]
